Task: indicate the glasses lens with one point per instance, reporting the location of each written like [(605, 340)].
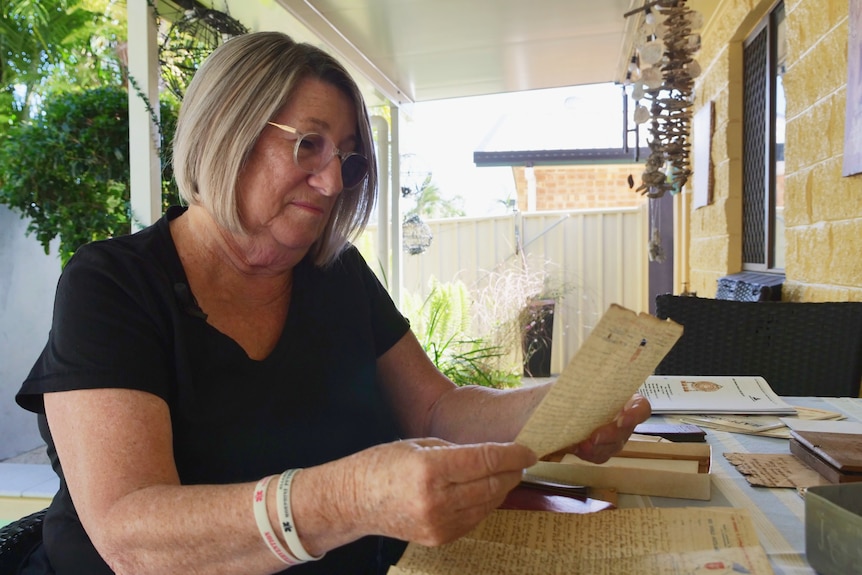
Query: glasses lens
[(312, 150), (354, 168)]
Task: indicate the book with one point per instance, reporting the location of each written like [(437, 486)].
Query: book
[(700, 394), (679, 432), (836, 456)]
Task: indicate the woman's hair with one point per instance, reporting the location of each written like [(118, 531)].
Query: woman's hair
[(236, 91)]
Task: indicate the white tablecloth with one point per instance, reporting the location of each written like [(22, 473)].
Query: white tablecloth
[(778, 514)]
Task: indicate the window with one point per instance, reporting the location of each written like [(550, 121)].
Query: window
[(763, 244)]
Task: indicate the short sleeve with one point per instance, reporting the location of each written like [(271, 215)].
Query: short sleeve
[(107, 329)]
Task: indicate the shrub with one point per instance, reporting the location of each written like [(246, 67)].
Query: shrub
[(67, 171)]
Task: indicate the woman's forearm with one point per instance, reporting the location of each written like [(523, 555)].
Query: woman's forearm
[(166, 529), (472, 414)]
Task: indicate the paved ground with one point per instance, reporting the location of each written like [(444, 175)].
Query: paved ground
[(34, 456)]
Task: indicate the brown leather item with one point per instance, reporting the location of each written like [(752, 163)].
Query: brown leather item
[(528, 498), (836, 456), (679, 432)]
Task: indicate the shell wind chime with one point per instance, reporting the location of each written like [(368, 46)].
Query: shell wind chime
[(662, 72)]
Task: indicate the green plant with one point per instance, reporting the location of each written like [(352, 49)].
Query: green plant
[(67, 171), (47, 46), (442, 324)]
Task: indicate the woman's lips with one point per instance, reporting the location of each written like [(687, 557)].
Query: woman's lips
[(310, 207)]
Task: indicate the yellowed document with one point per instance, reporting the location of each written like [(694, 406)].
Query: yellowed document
[(620, 353), (654, 541), (764, 425), (775, 470)]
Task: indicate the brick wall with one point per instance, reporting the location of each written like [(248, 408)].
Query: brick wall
[(823, 210), (580, 187)]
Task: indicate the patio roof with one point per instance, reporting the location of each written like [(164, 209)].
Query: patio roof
[(436, 49)]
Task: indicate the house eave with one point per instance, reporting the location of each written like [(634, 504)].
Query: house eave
[(560, 157)]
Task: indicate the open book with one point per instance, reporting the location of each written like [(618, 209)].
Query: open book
[(746, 394)]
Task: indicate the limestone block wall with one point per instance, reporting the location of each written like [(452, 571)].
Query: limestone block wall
[(823, 210), (599, 186)]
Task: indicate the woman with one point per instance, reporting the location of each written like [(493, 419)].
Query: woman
[(191, 364)]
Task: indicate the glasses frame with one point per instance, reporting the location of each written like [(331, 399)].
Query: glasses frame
[(336, 151)]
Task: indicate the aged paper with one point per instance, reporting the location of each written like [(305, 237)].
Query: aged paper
[(775, 470), (620, 353), (763, 425), (656, 541)]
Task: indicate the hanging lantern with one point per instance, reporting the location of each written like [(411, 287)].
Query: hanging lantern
[(416, 235)]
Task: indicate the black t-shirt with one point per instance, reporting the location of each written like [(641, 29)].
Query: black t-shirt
[(124, 318)]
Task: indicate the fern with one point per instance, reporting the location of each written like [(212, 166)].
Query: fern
[(442, 323)]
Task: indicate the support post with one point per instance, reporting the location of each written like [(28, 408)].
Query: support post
[(144, 162)]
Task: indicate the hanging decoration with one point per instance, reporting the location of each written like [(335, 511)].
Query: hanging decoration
[(655, 248), (188, 40), (662, 74), (416, 235)]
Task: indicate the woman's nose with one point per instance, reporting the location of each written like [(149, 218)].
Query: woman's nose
[(331, 182)]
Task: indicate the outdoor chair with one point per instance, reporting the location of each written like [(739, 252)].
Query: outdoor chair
[(18, 539), (800, 348)]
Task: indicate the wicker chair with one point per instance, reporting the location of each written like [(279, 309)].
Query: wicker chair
[(18, 539), (802, 349)]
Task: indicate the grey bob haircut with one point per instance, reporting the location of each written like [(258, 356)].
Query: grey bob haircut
[(235, 92)]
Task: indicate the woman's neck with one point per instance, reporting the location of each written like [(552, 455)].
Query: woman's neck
[(217, 261)]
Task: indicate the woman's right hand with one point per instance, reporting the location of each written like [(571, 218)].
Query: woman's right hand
[(427, 491)]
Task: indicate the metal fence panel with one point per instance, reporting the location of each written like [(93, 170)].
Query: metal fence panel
[(598, 256)]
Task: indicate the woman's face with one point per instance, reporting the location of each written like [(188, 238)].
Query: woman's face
[(283, 207)]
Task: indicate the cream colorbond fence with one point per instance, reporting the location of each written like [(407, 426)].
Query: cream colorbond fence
[(600, 255)]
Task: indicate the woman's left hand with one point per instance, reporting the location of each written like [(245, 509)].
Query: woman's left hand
[(609, 439)]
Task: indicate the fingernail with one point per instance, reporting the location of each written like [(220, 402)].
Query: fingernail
[(629, 404), (626, 421)]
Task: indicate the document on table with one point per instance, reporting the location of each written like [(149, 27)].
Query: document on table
[(697, 394), (620, 352), (775, 470), (765, 425), (649, 540)]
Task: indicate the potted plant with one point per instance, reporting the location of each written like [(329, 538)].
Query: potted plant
[(537, 334), (517, 304)]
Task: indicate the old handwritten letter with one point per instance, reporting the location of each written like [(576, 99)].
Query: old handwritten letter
[(660, 541), (775, 470), (620, 353)]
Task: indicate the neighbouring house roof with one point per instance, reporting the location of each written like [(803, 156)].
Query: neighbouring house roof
[(560, 157), (582, 125)]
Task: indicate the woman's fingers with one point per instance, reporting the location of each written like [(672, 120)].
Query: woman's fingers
[(435, 492), (610, 438)]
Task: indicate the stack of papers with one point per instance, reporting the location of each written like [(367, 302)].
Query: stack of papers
[(764, 425), (722, 394)]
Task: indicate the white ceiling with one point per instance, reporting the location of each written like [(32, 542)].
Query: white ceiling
[(420, 50)]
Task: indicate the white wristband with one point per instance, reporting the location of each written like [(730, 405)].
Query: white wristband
[(264, 525), (285, 517)]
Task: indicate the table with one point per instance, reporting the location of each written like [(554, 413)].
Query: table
[(778, 514)]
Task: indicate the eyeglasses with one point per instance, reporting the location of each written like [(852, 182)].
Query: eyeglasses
[(313, 152)]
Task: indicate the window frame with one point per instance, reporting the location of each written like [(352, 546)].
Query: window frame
[(772, 152)]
